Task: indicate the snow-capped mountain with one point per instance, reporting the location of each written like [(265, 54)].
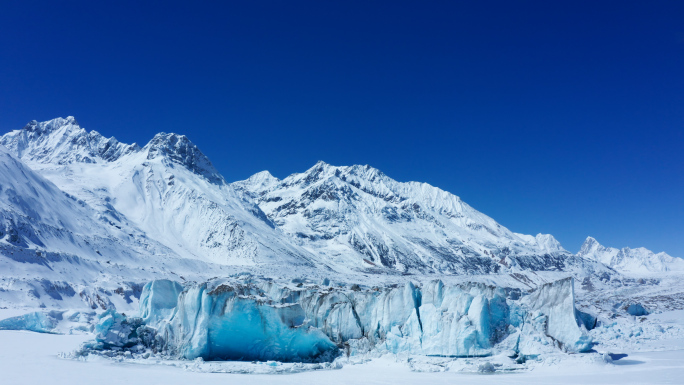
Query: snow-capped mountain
[(169, 189), (164, 208), (359, 217), (54, 246), (635, 261), (63, 141), (81, 214)]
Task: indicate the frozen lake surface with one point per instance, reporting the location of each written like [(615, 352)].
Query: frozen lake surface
[(32, 358)]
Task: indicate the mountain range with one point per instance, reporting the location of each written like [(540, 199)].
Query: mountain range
[(79, 211)]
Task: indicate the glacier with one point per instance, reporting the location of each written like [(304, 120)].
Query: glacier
[(260, 320)]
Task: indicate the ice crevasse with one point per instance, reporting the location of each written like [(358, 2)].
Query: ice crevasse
[(257, 319)]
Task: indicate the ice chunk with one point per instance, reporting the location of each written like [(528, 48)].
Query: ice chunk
[(116, 330), (487, 367), (556, 301), (462, 320), (41, 322), (636, 309)]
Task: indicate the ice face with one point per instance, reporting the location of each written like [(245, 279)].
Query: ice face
[(237, 323), (266, 320), (158, 300)]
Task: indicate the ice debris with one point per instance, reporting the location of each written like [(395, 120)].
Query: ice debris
[(486, 367)]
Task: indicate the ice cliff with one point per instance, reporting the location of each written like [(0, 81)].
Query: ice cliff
[(260, 319)]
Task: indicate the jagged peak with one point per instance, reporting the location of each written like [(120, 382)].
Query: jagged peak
[(49, 126), (322, 170), (375, 182), (590, 246), (180, 150), (164, 144), (63, 140)]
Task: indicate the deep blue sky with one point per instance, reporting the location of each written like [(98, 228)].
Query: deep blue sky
[(561, 117)]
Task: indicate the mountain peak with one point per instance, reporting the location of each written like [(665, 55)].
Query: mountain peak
[(42, 128), (257, 184), (589, 244), (180, 150), (263, 178), (63, 141), (549, 243), (322, 170)]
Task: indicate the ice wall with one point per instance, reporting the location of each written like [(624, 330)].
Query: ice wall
[(247, 319), (453, 321), (226, 322)]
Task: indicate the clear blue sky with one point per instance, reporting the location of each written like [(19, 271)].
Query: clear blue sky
[(561, 117)]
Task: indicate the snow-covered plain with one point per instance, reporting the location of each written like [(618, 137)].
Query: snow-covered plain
[(32, 358)]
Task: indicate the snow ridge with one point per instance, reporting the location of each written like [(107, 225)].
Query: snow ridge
[(363, 219), (63, 141), (639, 260)]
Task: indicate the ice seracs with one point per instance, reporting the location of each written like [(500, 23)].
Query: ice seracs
[(256, 319)]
